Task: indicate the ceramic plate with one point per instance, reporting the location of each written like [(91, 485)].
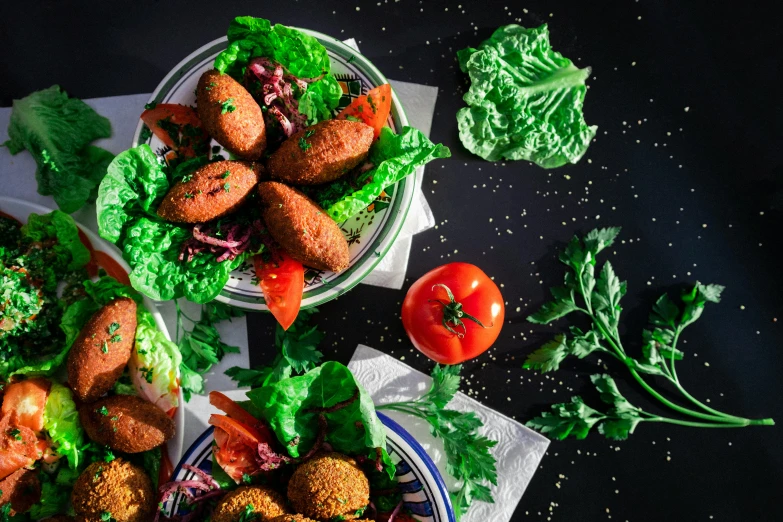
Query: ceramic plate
[(370, 234), (20, 210), (423, 491)]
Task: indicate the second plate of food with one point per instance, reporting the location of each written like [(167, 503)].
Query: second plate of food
[(370, 233)]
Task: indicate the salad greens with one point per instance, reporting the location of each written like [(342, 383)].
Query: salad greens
[(293, 405), (297, 352), (394, 157), (29, 276), (58, 130), (128, 198), (61, 422), (598, 298), (301, 54), (468, 457), (525, 100)]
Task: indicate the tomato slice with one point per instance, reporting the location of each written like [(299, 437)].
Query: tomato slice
[(238, 413), (236, 460), (237, 431), (27, 399), (282, 281), (18, 446), (373, 108), (179, 127)]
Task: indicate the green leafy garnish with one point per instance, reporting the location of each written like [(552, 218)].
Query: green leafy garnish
[(227, 106), (468, 458), (201, 346), (249, 514), (58, 130), (297, 353), (598, 298), (525, 100)]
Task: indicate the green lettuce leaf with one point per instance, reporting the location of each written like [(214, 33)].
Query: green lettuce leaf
[(153, 350), (288, 407), (54, 499), (395, 156), (61, 421), (68, 253), (134, 185), (525, 100), (58, 130), (301, 54)]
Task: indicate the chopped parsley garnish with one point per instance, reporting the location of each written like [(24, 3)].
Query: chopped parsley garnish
[(227, 106), (105, 347), (15, 433), (303, 144), (106, 517), (147, 374), (352, 118), (186, 178), (225, 174), (248, 514), (188, 195), (372, 104), (247, 479), (116, 338), (209, 87), (309, 133), (103, 410), (113, 327), (227, 187), (97, 474)]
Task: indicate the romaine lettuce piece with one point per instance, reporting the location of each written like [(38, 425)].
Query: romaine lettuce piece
[(153, 364), (58, 130), (61, 421), (525, 100)]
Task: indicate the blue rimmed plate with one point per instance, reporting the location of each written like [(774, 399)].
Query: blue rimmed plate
[(423, 491), (370, 234)]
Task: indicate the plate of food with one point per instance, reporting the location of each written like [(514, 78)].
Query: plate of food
[(309, 447), (268, 149), (89, 380)]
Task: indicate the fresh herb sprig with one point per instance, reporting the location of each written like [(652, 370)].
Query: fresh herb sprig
[(598, 298), (297, 353), (468, 457), (201, 346)]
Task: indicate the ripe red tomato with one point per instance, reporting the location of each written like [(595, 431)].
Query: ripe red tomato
[(282, 281), (453, 313), (373, 108), (179, 127)]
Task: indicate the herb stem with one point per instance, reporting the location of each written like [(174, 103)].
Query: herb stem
[(692, 424)]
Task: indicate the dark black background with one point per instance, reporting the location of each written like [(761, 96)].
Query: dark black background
[(702, 202)]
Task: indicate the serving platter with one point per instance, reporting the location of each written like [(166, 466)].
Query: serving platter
[(424, 492), (370, 234), (20, 210)]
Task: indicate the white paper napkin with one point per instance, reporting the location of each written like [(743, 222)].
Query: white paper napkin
[(518, 452)]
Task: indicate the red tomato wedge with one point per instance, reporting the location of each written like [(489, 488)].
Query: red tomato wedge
[(238, 413), (237, 431), (179, 127), (236, 460), (27, 400), (18, 446), (282, 281), (373, 108)]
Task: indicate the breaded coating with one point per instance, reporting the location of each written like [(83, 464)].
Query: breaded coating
[(231, 115), (321, 153), (302, 227), (126, 423), (327, 486), (267, 504), (210, 192), (60, 518), (21, 489), (292, 518), (102, 349), (117, 487)]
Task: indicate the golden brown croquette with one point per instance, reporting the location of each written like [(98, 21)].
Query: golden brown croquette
[(117, 487), (302, 227), (266, 502), (327, 486), (292, 518), (102, 349), (212, 191), (126, 423), (321, 153), (231, 115)]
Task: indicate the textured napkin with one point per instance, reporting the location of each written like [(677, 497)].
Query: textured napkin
[(518, 452)]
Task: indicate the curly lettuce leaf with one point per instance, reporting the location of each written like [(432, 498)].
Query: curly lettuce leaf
[(395, 156), (68, 252), (154, 351), (58, 130), (525, 100), (287, 405), (301, 54), (61, 422), (134, 185)]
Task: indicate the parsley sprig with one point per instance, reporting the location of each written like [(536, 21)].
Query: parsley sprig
[(468, 457), (201, 346), (598, 298), (297, 353)]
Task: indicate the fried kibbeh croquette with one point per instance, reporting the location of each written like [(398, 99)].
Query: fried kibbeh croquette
[(292, 518), (302, 228), (210, 192), (126, 423), (102, 349), (231, 115), (21, 489), (321, 153), (117, 487), (267, 504), (327, 486)]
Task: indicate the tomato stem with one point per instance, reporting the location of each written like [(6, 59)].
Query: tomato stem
[(453, 313)]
